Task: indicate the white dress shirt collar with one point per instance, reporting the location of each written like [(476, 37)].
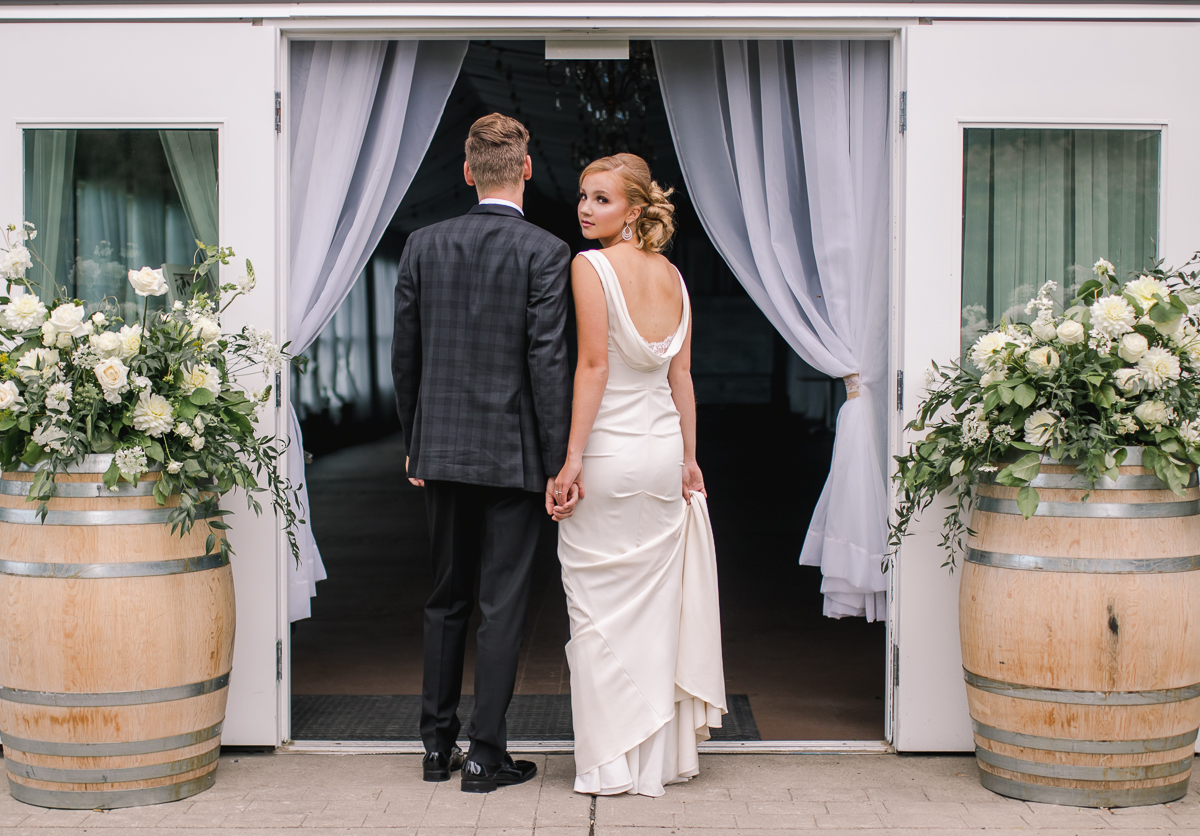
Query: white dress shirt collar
[(499, 201)]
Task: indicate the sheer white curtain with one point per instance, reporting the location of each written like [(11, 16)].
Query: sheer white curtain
[(784, 149), (49, 167), (362, 116), (192, 157)]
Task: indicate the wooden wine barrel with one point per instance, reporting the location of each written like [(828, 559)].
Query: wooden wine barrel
[(1081, 638), (115, 646)]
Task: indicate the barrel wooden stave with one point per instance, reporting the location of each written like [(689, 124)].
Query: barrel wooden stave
[(1093, 632), (94, 636)]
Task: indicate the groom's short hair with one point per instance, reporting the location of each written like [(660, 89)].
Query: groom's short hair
[(496, 150)]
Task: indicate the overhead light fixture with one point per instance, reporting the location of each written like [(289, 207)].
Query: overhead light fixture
[(587, 50)]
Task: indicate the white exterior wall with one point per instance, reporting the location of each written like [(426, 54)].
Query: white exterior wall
[(200, 75)]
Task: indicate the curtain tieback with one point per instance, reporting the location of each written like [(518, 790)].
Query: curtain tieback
[(851, 381)]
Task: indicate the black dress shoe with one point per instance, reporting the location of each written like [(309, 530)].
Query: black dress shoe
[(439, 765), (479, 778)]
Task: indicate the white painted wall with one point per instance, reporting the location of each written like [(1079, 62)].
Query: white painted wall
[(177, 75), (1023, 74)]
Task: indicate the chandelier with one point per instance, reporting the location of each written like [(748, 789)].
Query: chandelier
[(612, 100)]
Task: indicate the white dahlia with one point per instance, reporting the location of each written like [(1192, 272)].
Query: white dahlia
[(152, 414), (1158, 366), (1112, 316)]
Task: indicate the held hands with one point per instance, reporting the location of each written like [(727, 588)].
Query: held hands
[(564, 491), (420, 483), (693, 482)]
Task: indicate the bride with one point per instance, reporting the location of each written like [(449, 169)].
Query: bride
[(635, 541)]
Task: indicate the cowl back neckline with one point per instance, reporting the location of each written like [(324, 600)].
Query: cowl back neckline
[(633, 347)]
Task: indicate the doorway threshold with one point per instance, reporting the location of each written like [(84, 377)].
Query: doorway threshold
[(565, 747)]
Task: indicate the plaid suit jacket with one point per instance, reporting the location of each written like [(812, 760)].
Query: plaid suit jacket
[(479, 355)]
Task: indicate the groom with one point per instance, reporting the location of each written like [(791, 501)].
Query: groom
[(479, 360)]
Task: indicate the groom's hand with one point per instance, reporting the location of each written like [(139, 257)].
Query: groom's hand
[(420, 483)]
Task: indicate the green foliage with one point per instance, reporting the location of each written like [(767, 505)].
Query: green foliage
[(169, 393), (1034, 397)]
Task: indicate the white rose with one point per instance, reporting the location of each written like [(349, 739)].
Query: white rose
[(1070, 332), (152, 414), (986, 347), (100, 319), (27, 366), (131, 340), (1039, 427), (49, 335), (197, 442), (63, 341), (112, 374), (69, 319), (174, 467), (1132, 347), (147, 282), (206, 330), (1158, 366), (183, 429), (201, 376), (9, 394), (15, 262), (1153, 414), (24, 312), (1112, 316), (1042, 361), (1043, 326), (1189, 431), (107, 344), (1129, 381)]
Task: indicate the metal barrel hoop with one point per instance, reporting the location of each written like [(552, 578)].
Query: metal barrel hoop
[(109, 799), (1090, 565), (1070, 697), (150, 695), (116, 775), (89, 571), (136, 516), (1094, 510), (1083, 796), (1084, 747), (112, 750)]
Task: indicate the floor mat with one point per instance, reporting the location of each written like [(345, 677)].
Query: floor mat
[(530, 717)]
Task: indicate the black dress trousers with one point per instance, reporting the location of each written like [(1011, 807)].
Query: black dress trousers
[(495, 531)]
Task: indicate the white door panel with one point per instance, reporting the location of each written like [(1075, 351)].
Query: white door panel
[(178, 75), (1020, 75)]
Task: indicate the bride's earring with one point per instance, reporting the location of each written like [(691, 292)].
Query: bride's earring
[(626, 233)]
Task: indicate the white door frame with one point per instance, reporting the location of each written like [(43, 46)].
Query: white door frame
[(696, 27)]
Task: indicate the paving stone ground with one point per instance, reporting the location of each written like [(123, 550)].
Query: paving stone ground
[(734, 795)]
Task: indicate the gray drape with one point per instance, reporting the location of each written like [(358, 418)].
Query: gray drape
[(784, 149), (192, 157), (362, 116), (49, 178)]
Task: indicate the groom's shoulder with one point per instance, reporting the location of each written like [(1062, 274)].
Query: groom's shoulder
[(518, 232)]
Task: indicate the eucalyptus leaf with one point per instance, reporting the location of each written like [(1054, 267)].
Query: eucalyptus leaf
[(1027, 501)]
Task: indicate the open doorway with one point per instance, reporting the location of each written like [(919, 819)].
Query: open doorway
[(356, 663)]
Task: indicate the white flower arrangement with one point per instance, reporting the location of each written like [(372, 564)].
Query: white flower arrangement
[(77, 379), (1118, 367)]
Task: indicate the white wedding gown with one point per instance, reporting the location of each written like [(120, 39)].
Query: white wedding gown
[(639, 567)]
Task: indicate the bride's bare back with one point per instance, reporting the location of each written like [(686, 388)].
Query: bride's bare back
[(652, 292)]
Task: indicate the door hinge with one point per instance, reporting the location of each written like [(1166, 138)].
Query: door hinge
[(903, 111), (279, 661), (279, 112), (278, 390), (900, 390), (895, 666)]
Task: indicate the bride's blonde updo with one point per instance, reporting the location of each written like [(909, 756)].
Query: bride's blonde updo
[(656, 225)]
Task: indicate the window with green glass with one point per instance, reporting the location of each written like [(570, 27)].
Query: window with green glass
[(1045, 204), (108, 201)]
